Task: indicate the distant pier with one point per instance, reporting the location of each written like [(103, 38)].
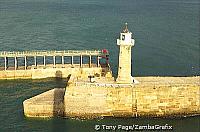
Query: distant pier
[(69, 53), (25, 64)]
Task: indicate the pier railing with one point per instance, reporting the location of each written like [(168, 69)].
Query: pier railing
[(51, 53), (43, 53)]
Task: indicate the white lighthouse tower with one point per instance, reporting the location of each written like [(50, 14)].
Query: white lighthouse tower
[(125, 43)]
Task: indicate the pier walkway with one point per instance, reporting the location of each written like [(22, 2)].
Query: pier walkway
[(90, 54)]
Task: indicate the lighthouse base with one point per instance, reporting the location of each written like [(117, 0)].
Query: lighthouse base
[(127, 80)]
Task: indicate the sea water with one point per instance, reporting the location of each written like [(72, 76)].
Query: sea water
[(166, 33)]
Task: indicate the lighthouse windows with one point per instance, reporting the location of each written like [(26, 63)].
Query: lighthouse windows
[(123, 37)]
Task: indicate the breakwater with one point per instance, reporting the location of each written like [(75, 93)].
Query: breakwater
[(153, 96), (43, 64)]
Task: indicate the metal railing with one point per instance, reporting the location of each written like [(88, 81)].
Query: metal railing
[(51, 53)]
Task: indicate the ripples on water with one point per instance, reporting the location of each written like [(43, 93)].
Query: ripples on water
[(166, 32), (167, 43), (14, 92)]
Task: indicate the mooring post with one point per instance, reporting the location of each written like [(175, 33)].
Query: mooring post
[(81, 61), (90, 61), (5, 58), (44, 60), (63, 61), (54, 61), (25, 65), (15, 63), (72, 60)]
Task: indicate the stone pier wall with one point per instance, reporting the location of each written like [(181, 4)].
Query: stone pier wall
[(47, 104), (153, 96), (19, 74), (49, 72), (168, 100)]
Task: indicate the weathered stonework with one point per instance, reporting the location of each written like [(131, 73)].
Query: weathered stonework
[(47, 104), (46, 72), (153, 96)]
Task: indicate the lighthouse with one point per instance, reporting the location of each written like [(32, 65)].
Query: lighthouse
[(125, 42)]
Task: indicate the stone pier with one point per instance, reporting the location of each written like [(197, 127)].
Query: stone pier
[(47, 104), (32, 68), (152, 96)]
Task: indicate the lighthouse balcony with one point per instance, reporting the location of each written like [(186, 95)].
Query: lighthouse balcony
[(122, 42)]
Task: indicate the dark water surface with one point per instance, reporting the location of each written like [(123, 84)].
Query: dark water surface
[(167, 44)]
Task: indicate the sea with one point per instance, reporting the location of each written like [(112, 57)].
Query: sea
[(167, 40)]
